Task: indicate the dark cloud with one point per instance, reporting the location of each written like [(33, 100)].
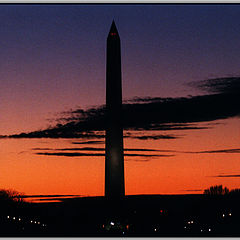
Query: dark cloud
[(81, 149), (155, 137), (234, 150), (64, 131), (227, 176), (89, 142), (77, 154), (102, 149), (54, 133), (47, 196), (59, 199), (137, 160), (144, 100), (153, 114), (90, 151), (70, 154), (227, 85)]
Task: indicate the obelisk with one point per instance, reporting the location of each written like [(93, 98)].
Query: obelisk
[(114, 157)]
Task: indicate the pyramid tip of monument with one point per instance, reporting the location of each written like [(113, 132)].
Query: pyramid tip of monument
[(113, 29)]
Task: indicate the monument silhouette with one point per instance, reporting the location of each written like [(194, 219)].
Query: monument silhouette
[(114, 157)]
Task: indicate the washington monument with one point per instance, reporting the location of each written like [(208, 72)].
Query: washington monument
[(114, 157)]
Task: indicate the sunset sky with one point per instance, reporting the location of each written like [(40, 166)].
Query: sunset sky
[(181, 90)]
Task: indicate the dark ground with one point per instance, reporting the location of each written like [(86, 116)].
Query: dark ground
[(134, 216)]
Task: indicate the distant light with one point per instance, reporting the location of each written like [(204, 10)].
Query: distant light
[(127, 227), (230, 214), (161, 211), (123, 232), (103, 226), (19, 219), (191, 221), (155, 229), (185, 227), (223, 215), (38, 222), (188, 222), (35, 222), (31, 221), (8, 217), (112, 223), (201, 230), (14, 218), (209, 230)]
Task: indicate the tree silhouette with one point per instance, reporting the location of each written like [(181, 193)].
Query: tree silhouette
[(235, 191), (216, 190), (8, 196)]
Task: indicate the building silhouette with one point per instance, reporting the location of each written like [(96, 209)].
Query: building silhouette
[(114, 156)]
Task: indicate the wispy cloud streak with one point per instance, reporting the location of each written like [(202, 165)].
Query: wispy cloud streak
[(89, 142), (235, 150), (102, 149), (78, 154), (227, 176)]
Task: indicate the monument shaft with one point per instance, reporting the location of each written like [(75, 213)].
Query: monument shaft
[(114, 157)]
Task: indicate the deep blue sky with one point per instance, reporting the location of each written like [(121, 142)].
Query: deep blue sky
[(53, 56)]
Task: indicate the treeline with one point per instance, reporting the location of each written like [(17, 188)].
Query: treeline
[(7, 196), (220, 190)]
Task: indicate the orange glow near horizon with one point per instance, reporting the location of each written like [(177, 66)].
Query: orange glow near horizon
[(26, 172)]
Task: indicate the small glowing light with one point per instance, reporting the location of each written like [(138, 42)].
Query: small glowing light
[(31, 221), (223, 215), (112, 223), (123, 232), (14, 218), (155, 229), (191, 221), (230, 214), (19, 219), (103, 226), (38, 222), (185, 227), (161, 211), (35, 222), (127, 227), (201, 230), (209, 230), (8, 217)]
